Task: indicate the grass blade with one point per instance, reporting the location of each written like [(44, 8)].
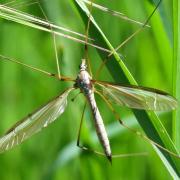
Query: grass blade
[(20, 17), (176, 70)]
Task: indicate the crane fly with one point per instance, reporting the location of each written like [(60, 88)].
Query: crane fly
[(130, 96)]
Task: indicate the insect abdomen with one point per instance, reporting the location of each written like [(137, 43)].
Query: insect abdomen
[(100, 128)]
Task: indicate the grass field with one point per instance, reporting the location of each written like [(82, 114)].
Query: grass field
[(52, 153)]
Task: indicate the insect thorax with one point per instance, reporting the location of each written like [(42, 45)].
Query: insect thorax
[(83, 82)]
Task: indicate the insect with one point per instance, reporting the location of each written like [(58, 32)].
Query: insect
[(132, 97), (129, 96)]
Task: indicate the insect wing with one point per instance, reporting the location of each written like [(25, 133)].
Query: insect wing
[(34, 122), (138, 97)]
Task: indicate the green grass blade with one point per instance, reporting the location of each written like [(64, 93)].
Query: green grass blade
[(25, 19), (150, 123), (176, 70)]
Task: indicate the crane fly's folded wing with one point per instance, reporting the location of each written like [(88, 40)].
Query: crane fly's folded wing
[(137, 97), (34, 122)]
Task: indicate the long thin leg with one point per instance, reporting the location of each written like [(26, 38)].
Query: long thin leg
[(133, 130), (53, 36), (80, 126), (97, 152), (34, 68), (79, 136), (113, 13), (86, 39), (54, 39), (4, 58), (127, 39)]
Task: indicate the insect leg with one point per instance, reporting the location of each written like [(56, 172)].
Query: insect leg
[(53, 37), (5, 58), (84, 148), (98, 152), (80, 126), (127, 39), (87, 37), (133, 130)]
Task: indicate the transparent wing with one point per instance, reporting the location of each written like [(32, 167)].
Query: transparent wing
[(138, 97), (34, 122)]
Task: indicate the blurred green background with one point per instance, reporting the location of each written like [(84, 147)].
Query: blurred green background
[(52, 153)]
